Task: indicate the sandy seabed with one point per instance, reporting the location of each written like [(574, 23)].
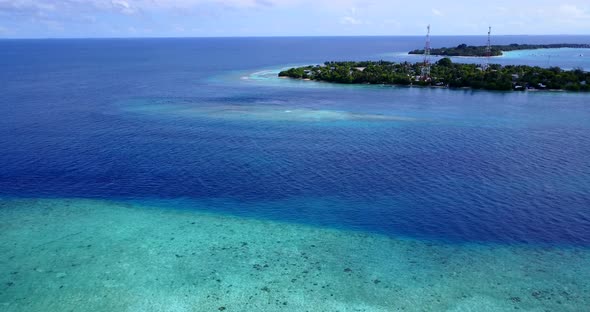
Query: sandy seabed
[(89, 255)]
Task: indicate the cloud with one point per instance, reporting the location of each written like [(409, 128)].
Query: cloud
[(123, 7), (349, 20), (23, 6), (126, 7), (573, 11), (437, 12), (565, 16), (61, 7), (192, 4), (298, 17)]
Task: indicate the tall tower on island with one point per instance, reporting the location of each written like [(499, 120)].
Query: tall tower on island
[(426, 65), (488, 51)]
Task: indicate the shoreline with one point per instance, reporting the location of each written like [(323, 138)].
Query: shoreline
[(429, 87), (493, 56), (464, 50), (444, 73)]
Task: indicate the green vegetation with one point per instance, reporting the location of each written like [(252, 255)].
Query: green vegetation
[(479, 51), (445, 73)]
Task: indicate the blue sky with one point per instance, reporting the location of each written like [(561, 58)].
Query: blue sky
[(204, 18)]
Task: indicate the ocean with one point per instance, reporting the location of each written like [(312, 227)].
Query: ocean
[(184, 175)]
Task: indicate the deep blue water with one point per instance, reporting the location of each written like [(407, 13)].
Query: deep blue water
[(100, 118)]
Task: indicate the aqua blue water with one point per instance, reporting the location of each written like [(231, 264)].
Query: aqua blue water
[(194, 123)]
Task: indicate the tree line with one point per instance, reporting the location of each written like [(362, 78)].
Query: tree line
[(445, 73), (496, 50)]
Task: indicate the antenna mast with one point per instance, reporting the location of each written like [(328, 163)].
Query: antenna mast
[(488, 52), (426, 65)]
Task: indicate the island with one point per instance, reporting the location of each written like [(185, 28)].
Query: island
[(445, 74), (496, 50)]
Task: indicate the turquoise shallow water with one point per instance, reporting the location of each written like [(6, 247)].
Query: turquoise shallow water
[(578, 58), (72, 254), (566, 58)]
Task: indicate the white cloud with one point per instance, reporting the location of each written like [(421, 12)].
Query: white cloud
[(134, 6), (190, 4), (566, 16), (123, 7), (39, 7), (320, 16), (573, 11), (24, 6), (349, 20), (132, 30), (437, 12)]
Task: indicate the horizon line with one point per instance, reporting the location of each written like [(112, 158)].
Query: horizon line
[(263, 36)]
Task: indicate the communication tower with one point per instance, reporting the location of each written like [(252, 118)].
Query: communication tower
[(488, 52), (426, 65)]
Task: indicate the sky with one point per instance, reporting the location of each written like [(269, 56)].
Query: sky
[(221, 18)]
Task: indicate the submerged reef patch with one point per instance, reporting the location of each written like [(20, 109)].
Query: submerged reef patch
[(71, 254)]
